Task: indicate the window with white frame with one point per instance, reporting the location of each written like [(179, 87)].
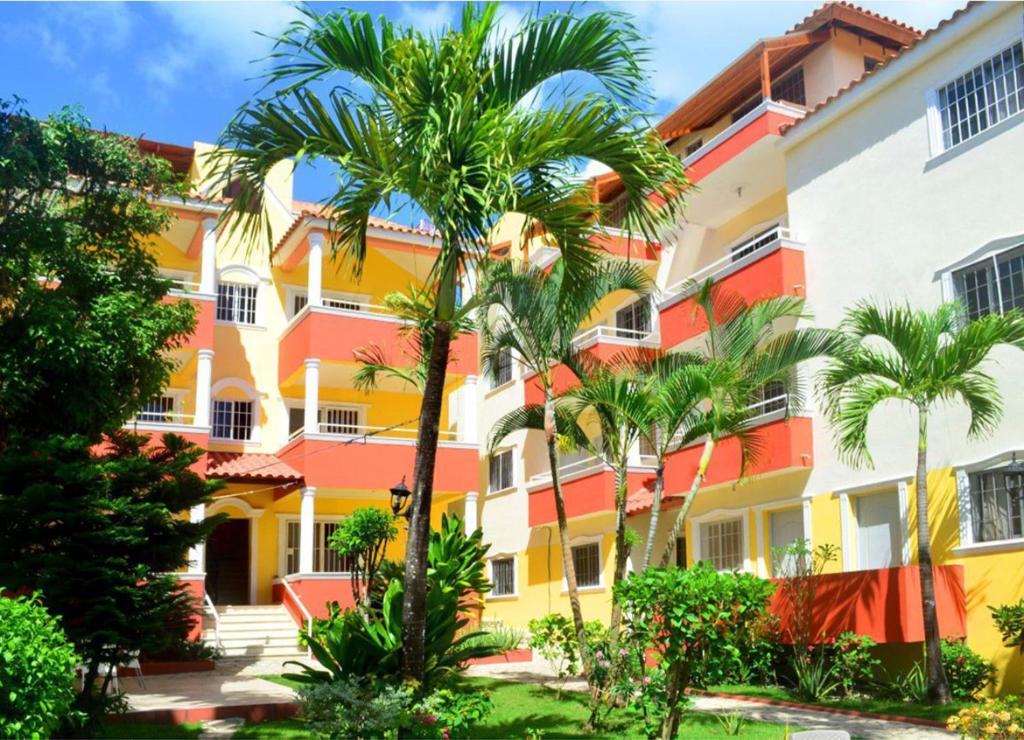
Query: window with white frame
[(769, 398), (996, 514), (503, 367), (233, 420), (158, 410), (634, 318), (500, 471), (339, 420), (586, 560), (992, 285), (503, 576), (325, 559), (721, 543), (982, 97), (236, 303), (296, 419)]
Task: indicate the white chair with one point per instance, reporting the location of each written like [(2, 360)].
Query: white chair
[(131, 661)]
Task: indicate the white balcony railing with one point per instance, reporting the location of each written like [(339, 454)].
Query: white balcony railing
[(740, 255), (155, 418), (362, 434), (182, 286), (595, 334)]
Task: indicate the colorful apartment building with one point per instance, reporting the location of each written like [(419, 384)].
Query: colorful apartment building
[(852, 157)]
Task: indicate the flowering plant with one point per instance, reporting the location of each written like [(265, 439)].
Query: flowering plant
[(853, 661), (995, 719), (967, 671)]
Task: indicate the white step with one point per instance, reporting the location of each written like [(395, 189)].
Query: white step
[(284, 618), (254, 632), (276, 651), (288, 633), (227, 642)]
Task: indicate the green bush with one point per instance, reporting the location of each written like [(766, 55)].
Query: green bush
[(966, 671), (994, 718), (853, 661), (449, 714), (355, 707), (37, 670), (554, 637), (1009, 619)]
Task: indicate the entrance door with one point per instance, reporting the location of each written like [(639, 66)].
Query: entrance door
[(227, 563), (878, 530)]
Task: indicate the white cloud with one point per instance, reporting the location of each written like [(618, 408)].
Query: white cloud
[(594, 168), (428, 17)]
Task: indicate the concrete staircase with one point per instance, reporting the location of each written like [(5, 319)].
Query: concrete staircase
[(254, 633)]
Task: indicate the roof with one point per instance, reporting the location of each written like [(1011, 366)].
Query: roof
[(306, 211), (180, 157), (741, 80), (884, 65), (246, 466), (641, 499)]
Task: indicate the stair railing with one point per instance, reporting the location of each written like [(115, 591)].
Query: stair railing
[(305, 612), (216, 620)]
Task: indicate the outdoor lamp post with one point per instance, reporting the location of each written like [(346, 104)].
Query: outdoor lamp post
[(1013, 476), (400, 499)]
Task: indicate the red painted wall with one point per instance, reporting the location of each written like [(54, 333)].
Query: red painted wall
[(884, 604), (202, 336), (198, 589), (621, 246), (769, 123), (585, 495), (315, 594), (779, 273), (377, 466)]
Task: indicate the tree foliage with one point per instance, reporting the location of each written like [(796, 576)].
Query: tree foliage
[(362, 536)]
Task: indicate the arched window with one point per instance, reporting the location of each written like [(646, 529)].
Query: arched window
[(235, 410), (237, 295)]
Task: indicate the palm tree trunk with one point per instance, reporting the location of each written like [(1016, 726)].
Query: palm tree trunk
[(414, 603), (621, 552), (938, 686), (702, 470), (563, 533), (652, 528)]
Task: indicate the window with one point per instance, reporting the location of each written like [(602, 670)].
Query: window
[(299, 302), (785, 528), (754, 243), (503, 368), (634, 319), (721, 544), (296, 420), (325, 560), (347, 304), (790, 89), (769, 398), (232, 420), (158, 410), (879, 538), (339, 421), (991, 92), (995, 285), (693, 146), (503, 576), (586, 559), (996, 514), (615, 212), (681, 552), (236, 303), (501, 471)]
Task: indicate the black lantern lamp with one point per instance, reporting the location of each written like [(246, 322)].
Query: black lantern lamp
[(400, 498), (1013, 476)]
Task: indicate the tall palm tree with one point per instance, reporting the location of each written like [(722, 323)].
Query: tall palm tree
[(456, 125), (536, 314), (895, 353), (744, 352)]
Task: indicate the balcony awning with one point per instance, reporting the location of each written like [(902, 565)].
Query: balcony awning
[(245, 466)]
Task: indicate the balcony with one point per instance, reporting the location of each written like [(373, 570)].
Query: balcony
[(206, 308), (884, 604), (601, 342), (334, 334), (768, 265), (615, 242), (375, 458), (588, 487)]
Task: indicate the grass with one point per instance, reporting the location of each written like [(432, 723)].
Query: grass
[(150, 730), (520, 707), (879, 706)]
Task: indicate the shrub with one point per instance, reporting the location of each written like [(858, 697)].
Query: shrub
[(554, 637), (687, 616), (362, 537), (967, 671), (911, 686), (853, 662), (449, 714), (356, 707), (1009, 619), (998, 719), (37, 670), (815, 674)]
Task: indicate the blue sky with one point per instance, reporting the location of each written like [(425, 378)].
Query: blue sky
[(176, 72)]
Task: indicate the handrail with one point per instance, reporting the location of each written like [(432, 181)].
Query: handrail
[(371, 432), (164, 418), (585, 464), (595, 333), (216, 619), (181, 285), (777, 234), (305, 612)]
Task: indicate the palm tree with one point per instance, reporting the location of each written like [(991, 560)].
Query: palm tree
[(454, 124), (744, 353), (894, 353), (536, 314)]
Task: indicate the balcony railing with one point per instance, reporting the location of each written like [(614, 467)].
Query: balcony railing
[(180, 286), (739, 256), (362, 434), (596, 334), (151, 418)]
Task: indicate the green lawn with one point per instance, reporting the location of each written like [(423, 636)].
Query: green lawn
[(881, 706), (519, 707), (150, 730)]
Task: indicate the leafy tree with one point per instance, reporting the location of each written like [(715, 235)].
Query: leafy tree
[(536, 314), (455, 123), (918, 358), (744, 352), (97, 534), (362, 536), (80, 295)]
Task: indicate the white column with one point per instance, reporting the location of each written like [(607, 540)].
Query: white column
[(306, 530), (469, 411), (208, 264), (844, 531), (197, 553), (471, 518), (315, 262), (311, 421), (204, 377)]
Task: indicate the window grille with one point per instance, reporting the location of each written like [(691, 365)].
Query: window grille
[(236, 303), (995, 513), (979, 99), (503, 576), (501, 471), (586, 559), (158, 410), (232, 420), (721, 544)]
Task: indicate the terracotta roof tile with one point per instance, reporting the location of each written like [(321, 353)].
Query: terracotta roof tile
[(640, 500), (884, 65), (842, 3), (306, 210), (250, 466)]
